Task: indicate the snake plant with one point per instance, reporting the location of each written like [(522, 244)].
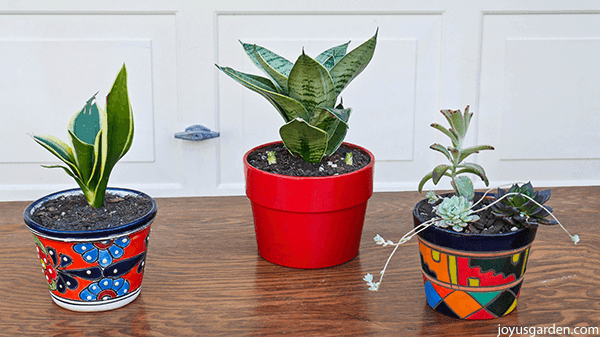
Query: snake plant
[(305, 94), (459, 124), (98, 138)]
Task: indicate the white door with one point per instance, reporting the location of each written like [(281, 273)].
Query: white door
[(530, 71)]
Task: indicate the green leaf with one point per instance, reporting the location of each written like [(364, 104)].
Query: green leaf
[(447, 133), (438, 173), (83, 130), (442, 149), (310, 84), (119, 120), (424, 180), (464, 153), (286, 106), (60, 149), (85, 124), (464, 187), (305, 140), (280, 79), (455, 118), (278, 63), (467, 118), (84, 156), (475, 169), (334, 122), (332, 56), (352, 64), (252, 82)]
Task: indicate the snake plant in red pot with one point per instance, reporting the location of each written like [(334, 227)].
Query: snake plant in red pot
[(308, 192), (473, 247), (92, 240)]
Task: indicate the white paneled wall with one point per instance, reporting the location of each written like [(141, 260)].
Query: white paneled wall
[(529, 70)]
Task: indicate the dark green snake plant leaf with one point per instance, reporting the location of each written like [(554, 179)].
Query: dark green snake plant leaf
[(306, 92), (309, 141), (99, 140), (332, 56), (311, 85), (288, 107), (352, 64)]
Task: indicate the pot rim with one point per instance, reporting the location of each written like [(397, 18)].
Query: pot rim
[(492, 195), (471, 242), (371, 164), (99, 234)]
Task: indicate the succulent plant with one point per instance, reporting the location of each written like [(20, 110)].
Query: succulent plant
[(455, 212), (521, 211), (98, 138), (456, 154), (305, 94)]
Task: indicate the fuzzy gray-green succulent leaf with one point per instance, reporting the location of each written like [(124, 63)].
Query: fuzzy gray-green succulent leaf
[(332, 56), (464, 153), (305, 140), (464, 186), (452, 136), (353, 63), (456, 121), (424, 180), (438, 172), (310, 84), (475, 169), (442, 149)]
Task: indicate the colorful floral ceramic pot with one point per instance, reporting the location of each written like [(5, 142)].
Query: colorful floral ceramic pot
[(309, 222), (93, 270), (473, 276)]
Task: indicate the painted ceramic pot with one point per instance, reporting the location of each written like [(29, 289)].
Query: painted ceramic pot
[(309, 222), (93, 270), (473, 276)]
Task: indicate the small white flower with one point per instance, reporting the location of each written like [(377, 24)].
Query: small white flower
[(575, 238)]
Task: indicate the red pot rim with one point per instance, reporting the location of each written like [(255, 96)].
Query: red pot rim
[(252, 168), (309, 194)]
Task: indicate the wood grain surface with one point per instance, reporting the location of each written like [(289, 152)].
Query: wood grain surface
[(204, 277)]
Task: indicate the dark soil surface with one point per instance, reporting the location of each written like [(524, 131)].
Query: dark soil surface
[(290, 165), (487, 223), (72, 212)]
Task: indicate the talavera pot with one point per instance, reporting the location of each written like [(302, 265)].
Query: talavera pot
[(473, 276), (309, 222), (93, 270)]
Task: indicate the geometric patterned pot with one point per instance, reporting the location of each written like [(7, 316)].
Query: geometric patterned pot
[(93, 270), (473, 276)]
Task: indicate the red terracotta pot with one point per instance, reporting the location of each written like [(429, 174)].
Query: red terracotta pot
[(308, 222)]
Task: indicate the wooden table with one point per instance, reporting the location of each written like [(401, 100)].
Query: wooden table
[(204, 277)]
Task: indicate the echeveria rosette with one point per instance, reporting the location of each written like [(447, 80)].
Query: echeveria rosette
[(305, 94), (521, 211), (98, 138), (455, 212)]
